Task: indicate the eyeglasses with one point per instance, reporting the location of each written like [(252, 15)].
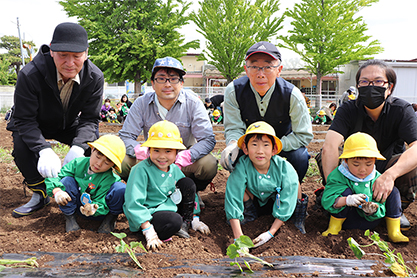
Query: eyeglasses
[(378, 83), (267, 69), (172, 80)]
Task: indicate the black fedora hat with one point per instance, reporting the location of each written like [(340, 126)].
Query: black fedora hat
[(69, 37)]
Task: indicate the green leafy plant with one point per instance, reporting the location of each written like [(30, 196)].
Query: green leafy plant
[(240, 248), (60, 149), (31, 262), (123, 247), (396, 262)]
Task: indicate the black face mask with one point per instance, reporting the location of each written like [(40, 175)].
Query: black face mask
[(372, 96)]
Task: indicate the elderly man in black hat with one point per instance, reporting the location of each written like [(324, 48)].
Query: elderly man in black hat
[(263, 95), (57, 96)]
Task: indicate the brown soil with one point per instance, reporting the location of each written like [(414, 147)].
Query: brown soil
[(45, 229)]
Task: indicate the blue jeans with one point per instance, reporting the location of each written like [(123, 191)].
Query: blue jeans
[(299, 159), (355, 221), (114, 199)]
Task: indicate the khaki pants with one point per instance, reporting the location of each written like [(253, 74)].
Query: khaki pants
[(201, 171)]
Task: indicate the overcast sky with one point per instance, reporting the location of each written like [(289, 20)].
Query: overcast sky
[(393, 23)]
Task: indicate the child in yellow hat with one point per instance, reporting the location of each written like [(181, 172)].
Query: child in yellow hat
[(159, 199), (261, 183), (217, 117), (348, 192), (87, 185), (320, 118)]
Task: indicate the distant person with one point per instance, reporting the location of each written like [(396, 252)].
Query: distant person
[(390, 121), (215, 102), (87, 185), (320, 118), (349, 94), (308, 101), (262, 183), (58, 96), (348, 194), (217, 117), (105, 109), (125, 99)]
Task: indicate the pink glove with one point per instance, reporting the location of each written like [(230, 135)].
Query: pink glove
[(183, 159), (141, 153)]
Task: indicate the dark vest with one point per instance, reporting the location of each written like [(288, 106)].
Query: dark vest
[(278, 111)]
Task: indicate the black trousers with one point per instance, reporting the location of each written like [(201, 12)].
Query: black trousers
[(27, 160)]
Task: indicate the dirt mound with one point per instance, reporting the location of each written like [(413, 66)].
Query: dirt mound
[(44, 231)]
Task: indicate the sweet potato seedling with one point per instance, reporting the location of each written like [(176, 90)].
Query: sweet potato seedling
[(396, 262), (240, 248), (130, 249), (31, 262)]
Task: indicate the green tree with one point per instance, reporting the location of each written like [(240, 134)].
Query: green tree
[(13, 56), (328, 33), (231, 27), (127, 36), (7, 77)]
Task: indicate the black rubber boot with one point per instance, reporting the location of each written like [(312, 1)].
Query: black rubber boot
[(249, 212), (108, 224), (300, 213), (39, 200), (183, 232), (71, 224)]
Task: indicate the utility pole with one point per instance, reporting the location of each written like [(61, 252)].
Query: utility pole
[(21, 45)]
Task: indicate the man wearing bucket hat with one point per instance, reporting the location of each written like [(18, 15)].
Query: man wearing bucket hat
[(348, 192), (159, 199), (169, 102), (262, 183), (87, 185), (263, 95), (58, 96)]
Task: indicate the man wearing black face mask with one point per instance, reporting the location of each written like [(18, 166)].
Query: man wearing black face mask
[(390, 121)]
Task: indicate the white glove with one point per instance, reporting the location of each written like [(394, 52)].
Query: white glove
[(198, 225), (369, 208), (49, 163), (229, 155), (89, 209), (355, 200), (62, 198), (152, 239), (262, 238), (74, 152)]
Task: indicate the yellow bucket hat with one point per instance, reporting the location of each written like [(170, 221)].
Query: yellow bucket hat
[(112, 147), (361, 145), (165, 135), (261, 128), (322, 113)]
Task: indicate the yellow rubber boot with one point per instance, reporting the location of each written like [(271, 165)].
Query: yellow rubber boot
[(335, 225), (394, 232)]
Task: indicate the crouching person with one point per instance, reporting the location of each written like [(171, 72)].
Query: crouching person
[(160, 200), (87, 185), (261, 183), (348, 192)]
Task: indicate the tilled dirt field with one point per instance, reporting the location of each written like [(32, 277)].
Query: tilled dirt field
[(45, 230)]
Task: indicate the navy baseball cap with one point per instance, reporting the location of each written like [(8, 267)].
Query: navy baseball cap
[(69, 37), (265, 48), (168, 62)]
